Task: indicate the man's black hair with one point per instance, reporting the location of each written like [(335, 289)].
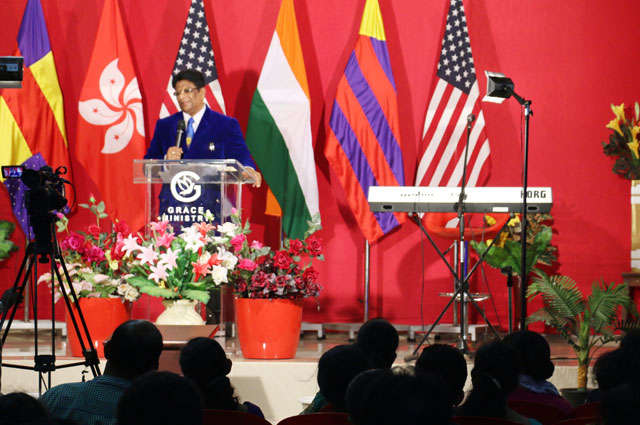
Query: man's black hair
[(192, 75)]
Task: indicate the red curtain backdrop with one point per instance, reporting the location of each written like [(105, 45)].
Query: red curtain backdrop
[(571, 58)]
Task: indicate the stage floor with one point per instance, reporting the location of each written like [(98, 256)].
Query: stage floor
[(277, 386)]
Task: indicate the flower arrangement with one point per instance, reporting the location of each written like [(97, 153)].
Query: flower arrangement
[(94, 259), (181, 266), (623, 141), (507, 249), (262, 272)]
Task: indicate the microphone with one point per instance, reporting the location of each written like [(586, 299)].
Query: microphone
[(179, 132), (471, 118)]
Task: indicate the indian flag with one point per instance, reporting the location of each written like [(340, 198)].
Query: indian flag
[(279, 129)]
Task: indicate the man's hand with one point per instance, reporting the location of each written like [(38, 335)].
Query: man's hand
[(174, 152), (250, 173)]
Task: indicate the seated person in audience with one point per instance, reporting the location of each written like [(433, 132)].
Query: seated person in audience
[(379, 340), (535, 368), (609, 371), (621, 405), (617, 367), (134, 349), (398, 396), (21, 408), (204, 362), (448, 363), (160, 398), (336, 368), (494, 376)]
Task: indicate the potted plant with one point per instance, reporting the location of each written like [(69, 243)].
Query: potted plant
[(98, 271), (586, 323), (269, 285), (180, 268)]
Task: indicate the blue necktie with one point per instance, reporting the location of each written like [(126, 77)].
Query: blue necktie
[(190, 131)]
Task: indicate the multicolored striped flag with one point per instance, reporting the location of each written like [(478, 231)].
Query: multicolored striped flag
[(195, 52), (110, 133), (363, 143), (32, 118), (454, 98), (279, 129)]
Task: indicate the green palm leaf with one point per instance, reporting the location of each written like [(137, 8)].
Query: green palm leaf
[(560, 293)]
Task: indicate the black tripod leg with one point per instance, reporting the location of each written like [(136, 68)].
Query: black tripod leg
[(18, 289), (90, 353), (424, 338)]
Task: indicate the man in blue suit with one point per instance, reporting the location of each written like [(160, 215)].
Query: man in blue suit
[(207, 135)]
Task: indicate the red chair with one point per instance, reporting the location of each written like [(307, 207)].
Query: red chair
[(317, 419), (480, 420), (580, 421), (546, 414), (588, 410), (436, 223), (231, 417)]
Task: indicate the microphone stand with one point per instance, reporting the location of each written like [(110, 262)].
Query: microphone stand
[(524, 222), (463, 283)]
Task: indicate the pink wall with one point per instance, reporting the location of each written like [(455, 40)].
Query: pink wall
[(571, 58)]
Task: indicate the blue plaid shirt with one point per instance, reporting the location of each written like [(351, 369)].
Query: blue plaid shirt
[(93, 402)]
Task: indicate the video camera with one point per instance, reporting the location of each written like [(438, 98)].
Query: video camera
[(45, 195)]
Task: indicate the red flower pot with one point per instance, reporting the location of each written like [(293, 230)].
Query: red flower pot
[(102, 315), (268, 328)]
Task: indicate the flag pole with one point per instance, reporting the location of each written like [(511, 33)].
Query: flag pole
[(367, 259)]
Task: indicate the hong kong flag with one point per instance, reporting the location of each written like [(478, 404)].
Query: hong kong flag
[(110, 132)]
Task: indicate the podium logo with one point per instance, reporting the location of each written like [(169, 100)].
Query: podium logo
[(184, 187)]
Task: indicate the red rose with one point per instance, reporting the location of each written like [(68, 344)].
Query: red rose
[(282, 260), (259, 279), (281, 281), (314, 245), (94, 231), (295, 246), (310, 275), (123, 228), (75, 242), (94, 254)]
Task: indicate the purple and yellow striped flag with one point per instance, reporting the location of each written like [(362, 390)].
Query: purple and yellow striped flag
[(32, 118), (363, 142)]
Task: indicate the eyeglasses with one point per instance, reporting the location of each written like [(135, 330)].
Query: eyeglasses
[(188, 90)]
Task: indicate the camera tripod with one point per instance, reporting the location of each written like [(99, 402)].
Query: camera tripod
[(44, 250)]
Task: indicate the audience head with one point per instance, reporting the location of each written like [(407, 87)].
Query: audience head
[(448, 363), (160, 398), (134, 349), (533, 352), (379, 340), (336, 368), (384, 396), (610, 370), (20, 408), (204, 361), (494, 376)]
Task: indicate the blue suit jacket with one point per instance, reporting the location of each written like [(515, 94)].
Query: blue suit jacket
[(217, 137)]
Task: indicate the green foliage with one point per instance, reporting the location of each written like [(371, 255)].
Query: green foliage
[(510, 254), (6, 246), (585, 323)]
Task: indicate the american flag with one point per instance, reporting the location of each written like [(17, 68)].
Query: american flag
[(455, 96), (195, 52)]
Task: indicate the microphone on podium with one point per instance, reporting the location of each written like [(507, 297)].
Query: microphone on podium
[(179, 132)]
